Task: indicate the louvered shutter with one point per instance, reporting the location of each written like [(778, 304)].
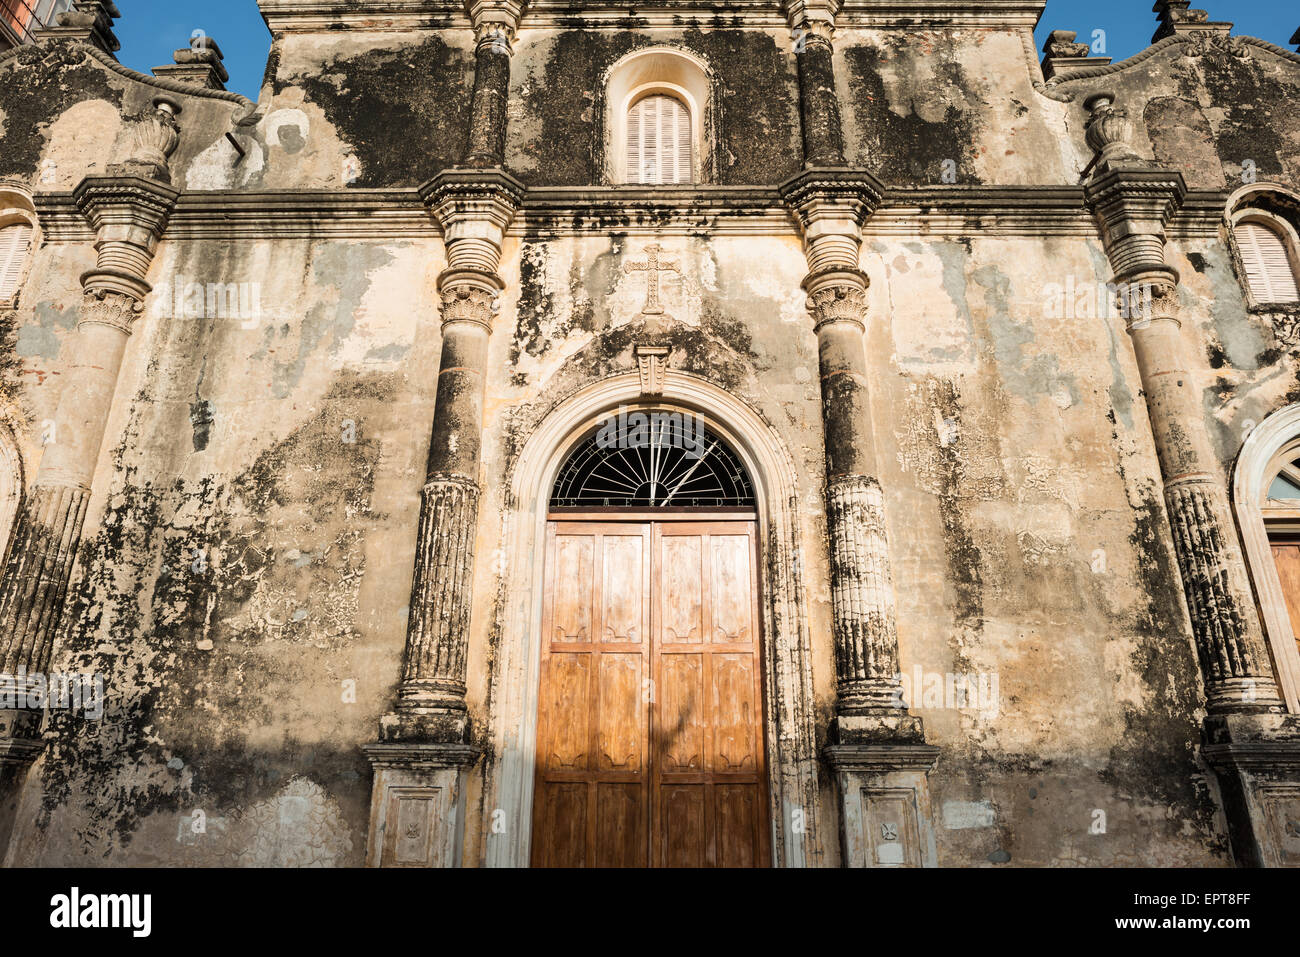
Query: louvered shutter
[(1268, 268), (14, 243), (659, 141)]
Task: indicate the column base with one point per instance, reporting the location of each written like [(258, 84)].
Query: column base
[(417, 811), (878, 726), (440, 725), (1257, 761), (885, 816)]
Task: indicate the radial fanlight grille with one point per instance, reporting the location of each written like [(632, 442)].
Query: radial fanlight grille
[(653, 460)]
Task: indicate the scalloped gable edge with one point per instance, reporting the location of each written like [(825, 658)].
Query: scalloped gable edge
[(1053, 88), (247, 115)]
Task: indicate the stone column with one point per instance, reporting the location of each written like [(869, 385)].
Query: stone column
[(128, 210), (819, 107), (878, 751), (1133, 201), (487, 130), (420, 760)]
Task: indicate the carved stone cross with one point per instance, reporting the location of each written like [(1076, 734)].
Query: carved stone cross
[(653, 267)]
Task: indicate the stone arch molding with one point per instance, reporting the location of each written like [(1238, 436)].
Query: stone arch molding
[(788, 704), (659, 69), (1267, 442)]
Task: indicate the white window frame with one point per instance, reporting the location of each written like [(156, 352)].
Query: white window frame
[(1271, 445), (16, 209), (668, 71)]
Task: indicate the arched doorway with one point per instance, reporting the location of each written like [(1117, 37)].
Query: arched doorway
[(650, 721), (794, 812)]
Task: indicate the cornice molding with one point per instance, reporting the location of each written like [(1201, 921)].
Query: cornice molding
[(385, 15), (939, 211)]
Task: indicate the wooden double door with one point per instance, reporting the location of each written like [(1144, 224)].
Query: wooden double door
[(650, 749)]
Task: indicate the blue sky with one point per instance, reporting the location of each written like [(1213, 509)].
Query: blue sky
[(151, 29)]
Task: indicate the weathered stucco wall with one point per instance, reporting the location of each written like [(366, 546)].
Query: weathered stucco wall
[(251, 537)]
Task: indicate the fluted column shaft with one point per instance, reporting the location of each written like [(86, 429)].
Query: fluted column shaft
[(830, 206), (474, 209), (1133, 205)]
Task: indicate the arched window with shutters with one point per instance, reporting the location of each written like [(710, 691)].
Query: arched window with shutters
[(17, 235), (1266, 261), (1265, 246), (660, 105), (659, 141)]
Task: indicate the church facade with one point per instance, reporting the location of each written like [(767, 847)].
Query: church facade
[(809, 434)]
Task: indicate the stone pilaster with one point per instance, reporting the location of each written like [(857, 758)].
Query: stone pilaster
[(423, 751), (129, 213), (879, 751), (813, 29), (487, 132), (1133, 201)]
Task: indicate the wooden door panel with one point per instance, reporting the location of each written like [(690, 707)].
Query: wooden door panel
[(620, 825), (681, 594), (735, 732), (681, 712), (738, 820), (574, 567), (650, 736), (683, 828), (732, 600), (622, 725), (567, 712), (1287, 559), (560, 837), (623, 592)]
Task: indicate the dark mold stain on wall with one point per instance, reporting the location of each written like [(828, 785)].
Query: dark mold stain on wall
[(893, 137), (404, 111), (52, 81)]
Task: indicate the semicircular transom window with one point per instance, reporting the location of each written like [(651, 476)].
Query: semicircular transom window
[(653, 460)]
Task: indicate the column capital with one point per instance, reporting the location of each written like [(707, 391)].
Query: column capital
[(129, 215), (812, 18), (493, 19), (832, 193)]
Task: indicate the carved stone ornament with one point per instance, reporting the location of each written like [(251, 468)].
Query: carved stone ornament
[(109, 309), (651, 364), (1109, 130), (842, 299), (1060, 43), (1208, 43), (153, 141), (467, 303)]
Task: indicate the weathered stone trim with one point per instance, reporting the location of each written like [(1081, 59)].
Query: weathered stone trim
[(949, 211)]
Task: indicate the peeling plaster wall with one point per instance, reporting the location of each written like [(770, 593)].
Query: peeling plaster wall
[(243, 560)]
